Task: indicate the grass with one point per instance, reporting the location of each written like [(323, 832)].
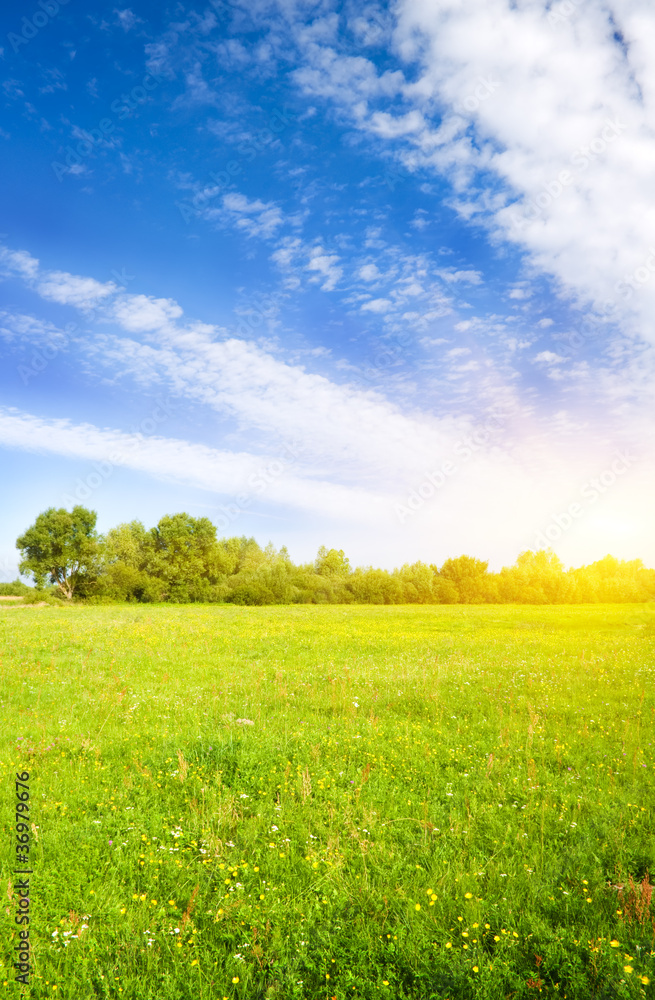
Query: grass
[(320, 802)]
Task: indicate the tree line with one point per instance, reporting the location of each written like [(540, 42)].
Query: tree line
[(181, 561)]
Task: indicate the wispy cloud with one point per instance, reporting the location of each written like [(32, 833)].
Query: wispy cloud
[(71, 289)]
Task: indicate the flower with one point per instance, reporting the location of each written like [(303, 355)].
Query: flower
[(418, 906), (468, 895), (627, 968), (235, 979), (475, 968), (614, 944)]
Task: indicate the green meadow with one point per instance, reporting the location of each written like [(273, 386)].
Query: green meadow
[(319, 802)]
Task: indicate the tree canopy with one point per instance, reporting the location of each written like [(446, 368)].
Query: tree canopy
[(61, 546), (181, 560)]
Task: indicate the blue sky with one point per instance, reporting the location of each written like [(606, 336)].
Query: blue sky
[(378, 277)]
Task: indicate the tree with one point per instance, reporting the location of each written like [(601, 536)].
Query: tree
[(469, 576), (535, 578), (129, 544), (62, 545), (332, 562), (182, 551)]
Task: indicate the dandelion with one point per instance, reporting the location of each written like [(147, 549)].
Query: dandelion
[(645, 980), (615, 944), (468, 895), (235, 979), (418, 906), (627, 969), (475, 968)]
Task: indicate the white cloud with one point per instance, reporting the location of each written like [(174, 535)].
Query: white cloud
[(139, 313), (556, 86), (30, 329), (369, 272), (391, 127), (377, 306), (543, 124), (176, 461), (71, 289), (18, 262), (327, 266), (126, 18), (451, 275), (253, 217), (549, 358)]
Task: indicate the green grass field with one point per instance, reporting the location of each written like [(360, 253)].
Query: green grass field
[(320, 802)]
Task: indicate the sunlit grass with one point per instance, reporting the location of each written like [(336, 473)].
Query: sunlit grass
[(331, 802)]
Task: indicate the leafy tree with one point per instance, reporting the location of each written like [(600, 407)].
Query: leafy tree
[(332, 562), (15, 589), (535, 578), (129, 544), (469, 577), (375, 586), (63, 546), (418, 583), (181, 551)]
